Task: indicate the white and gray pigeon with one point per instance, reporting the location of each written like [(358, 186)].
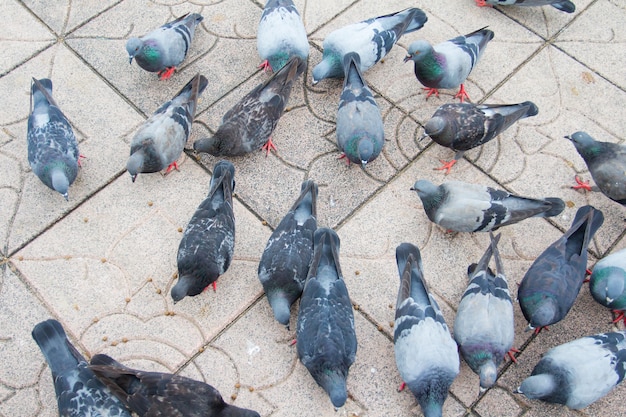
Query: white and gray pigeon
[(426, 355), (484, 327), (52, 147), (464, 126), (448, 64), (160, 394), (208, 243), (564, 5), (580, 372), (79, 392), (372, 39), (463, 207), (608, 283), (163, 49), (248, 126), (360, 130), (285, 261), (607, 165), (552, 283), (326, 340), (281, 35), (160, 141)]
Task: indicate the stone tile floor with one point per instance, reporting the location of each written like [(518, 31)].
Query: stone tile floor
[(104, 262)]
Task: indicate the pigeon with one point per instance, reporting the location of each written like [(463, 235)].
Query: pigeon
[(448, 64), (580, 372), (208, 242), (163, 49), (372, 39), (426, 355), (158, 394), (281, 35), (79, 393), (462, 207), (607, 164), (162, 138), (285, 261), (248, 126), (326, 340), (52, 147), (484, 327), (464, 126), (360, 130), (563, 5), (608, 283), (551, 285)]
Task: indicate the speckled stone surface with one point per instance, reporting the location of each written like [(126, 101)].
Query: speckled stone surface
[(103, 263)]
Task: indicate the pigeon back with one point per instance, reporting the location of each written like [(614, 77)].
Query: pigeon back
[(208, 242), (326, 339), (79, 393), (285, 261), (608, 281)]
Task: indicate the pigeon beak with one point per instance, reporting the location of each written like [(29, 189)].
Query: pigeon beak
[(482, 389), (529, 328), (407, 58), (314, 81), (133, 177), (363, 163), (517, 391), (130, 59), (424, 135), (66, 197), (567, 137)]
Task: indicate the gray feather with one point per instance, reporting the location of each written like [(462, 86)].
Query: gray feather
[(564, 5)]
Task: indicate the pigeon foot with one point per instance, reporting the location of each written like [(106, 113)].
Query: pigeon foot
[(431, 91), (265, 65), (166, 73), (581, 184), (170, 167), (619, 315), (482, 3), (79, 158), (268, 147), (511, 353), (447, 166), (401, 387), (342, 156), (462, 93)]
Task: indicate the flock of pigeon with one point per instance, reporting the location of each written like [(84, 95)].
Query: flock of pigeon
[(301, 261)]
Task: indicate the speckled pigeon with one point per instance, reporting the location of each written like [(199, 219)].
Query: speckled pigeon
[(208, 242), (326, 340), (160, 141), (52, 147), (464, 126), (448, 64), (247, 127), (285, 261), (607, 164), (563, 5), (360, 130), (372, 39), (163, 49), (580, 372), (79, 393), (426, 355), (462, 207), (484, 327), (552, 283), (281, 35), (158, 394), (608, 283)]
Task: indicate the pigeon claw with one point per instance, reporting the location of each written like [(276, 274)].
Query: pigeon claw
[(401, 387), (342, 156), (619, 315), (447, 166), (482, 3), (540, 328), (581, 184), (269, 145), (431, 91), (265, 65), (79, 158), (166, 73), (511, 353), (170, 167), (462, 94)]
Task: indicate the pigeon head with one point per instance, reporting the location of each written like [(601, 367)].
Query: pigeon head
[(334, 383), (59, 181), (183, 288), (583, 142), (233, 411), (329, 67), (424, 188), (537, 386), (133, 46), (545, 314), (417, 50), (216, 145), (281, 307), (488, 375), (607, 284), (135, 164), (435, 128)]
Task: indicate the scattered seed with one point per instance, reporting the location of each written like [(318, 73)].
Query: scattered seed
[(390, 305), (127, 299), (570, 203), (251, 389), (233, 397), (124, 340), (264, 223), (380, 328), (201, 349), (356, 306), (149, 279), (175, 275), (67, 257), (158, 291), (75, 306), (103, 260), (95, 320), (150, 203), (180, 229), (104, 338), (357, 272), (114, 343), (20, 258), (237, 385), (391, 324), (85, 219)]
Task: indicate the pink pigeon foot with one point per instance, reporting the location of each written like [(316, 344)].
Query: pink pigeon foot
[(166, 73), (447, 166), (265, 65), (581, 184), (619, 315), (268, 147), (342, 156), (79, 158), (462, 93), (431, 91), (482, 3), (401, 387), (170, 167), (511, 353)]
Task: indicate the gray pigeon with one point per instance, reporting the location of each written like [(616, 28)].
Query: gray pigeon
[(563, 5), (285, 261), (281, 35), (79, 393), (326, 340), (607, 164), (464, 126), (372, 39), (360, 130), (158, 394), (426, 354), (52, 147), (208, 242), (552, 283), (247, 127), (161, 139), (484, 327), (608, 283), (580, 372), (462, 207), (448, 64), (163, 49)]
